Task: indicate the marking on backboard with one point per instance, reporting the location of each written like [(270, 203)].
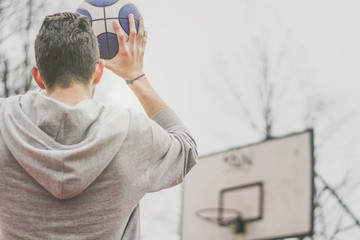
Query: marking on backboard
[(239, 161)]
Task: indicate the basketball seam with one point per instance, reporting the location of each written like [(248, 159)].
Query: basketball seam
[(101, 19), (103, 4)]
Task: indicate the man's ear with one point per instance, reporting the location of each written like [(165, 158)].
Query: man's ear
[(99, 71), (38, 79)]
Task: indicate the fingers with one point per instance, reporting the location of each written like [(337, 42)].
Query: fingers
[(129, 60), (119, 33), (141, 33), (136, 41), (143, 43), (132, 34)]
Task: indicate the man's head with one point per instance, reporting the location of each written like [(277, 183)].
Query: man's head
[(66, 51)]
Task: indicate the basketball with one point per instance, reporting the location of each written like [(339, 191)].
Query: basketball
[(101, 14)]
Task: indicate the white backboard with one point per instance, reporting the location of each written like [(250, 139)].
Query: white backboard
[(271, 183)]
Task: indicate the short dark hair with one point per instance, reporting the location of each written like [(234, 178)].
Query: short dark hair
[(66, 50)]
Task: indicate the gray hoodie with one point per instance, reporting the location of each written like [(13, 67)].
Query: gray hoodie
[(79, 172)]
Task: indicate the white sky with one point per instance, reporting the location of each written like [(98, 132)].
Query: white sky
[(193, 44)]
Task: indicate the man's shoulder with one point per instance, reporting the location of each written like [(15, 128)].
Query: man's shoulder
[(138, 120), (140, 126)]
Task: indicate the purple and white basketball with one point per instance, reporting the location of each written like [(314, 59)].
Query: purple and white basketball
[(101, 14)]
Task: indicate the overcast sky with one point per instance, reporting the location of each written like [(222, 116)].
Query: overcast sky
[(194, 45), (188, 39)]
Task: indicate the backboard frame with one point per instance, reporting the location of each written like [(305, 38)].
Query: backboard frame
[(312, 174), (261, 198)]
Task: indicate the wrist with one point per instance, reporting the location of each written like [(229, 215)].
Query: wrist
[(131, 81), (132, 75)]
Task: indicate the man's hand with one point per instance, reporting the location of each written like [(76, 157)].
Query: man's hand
[(128, 63)]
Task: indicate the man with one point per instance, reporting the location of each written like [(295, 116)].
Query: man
[(71, 167)]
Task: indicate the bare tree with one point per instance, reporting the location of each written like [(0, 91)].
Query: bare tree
[(282, 90), (5, 13), (20, 21)]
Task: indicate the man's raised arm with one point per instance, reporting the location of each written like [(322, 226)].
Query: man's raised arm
[(128, 64)]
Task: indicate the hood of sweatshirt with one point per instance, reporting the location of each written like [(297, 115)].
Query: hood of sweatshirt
[(64, 148)]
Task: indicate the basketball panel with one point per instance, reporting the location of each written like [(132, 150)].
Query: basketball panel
[(108, 45), (110, 28), (123, 16), (85, 13), (99, 27), (101, 3), (95, 12), (103, 46), (113, 10), (113, 45)]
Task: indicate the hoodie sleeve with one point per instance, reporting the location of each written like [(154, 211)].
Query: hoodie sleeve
[(174, 151)]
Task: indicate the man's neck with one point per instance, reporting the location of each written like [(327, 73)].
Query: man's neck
[(72, 95)]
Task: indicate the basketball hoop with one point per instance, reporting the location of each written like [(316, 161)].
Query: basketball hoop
[(225, 218)]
